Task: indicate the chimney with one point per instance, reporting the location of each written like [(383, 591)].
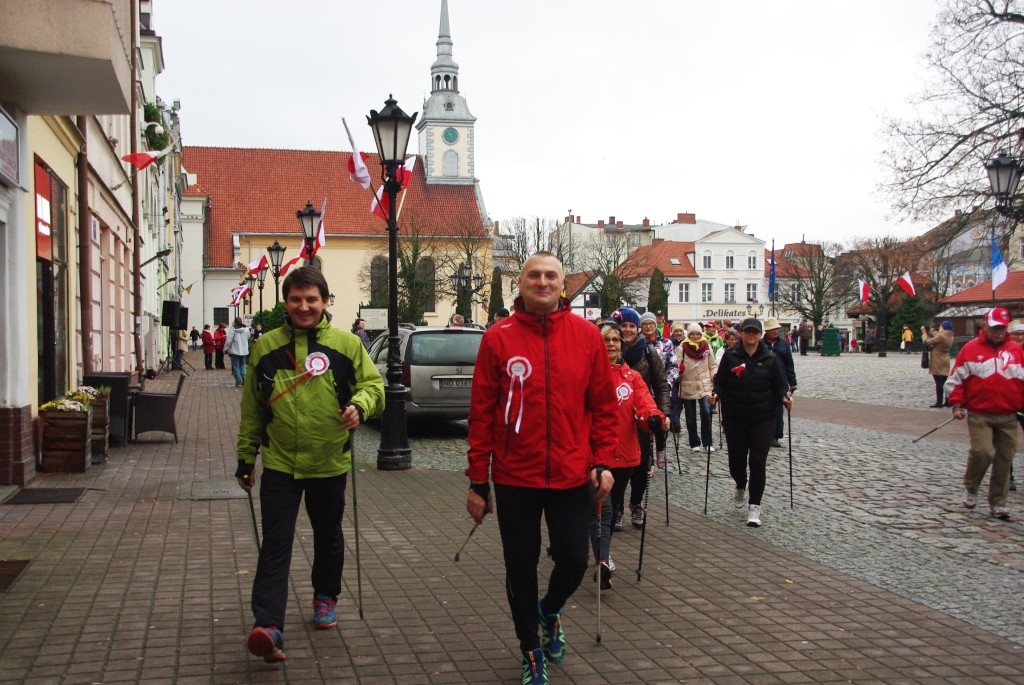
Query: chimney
[(618, 224), (600, 223), (647, 222), (611, 221), (686, 218)]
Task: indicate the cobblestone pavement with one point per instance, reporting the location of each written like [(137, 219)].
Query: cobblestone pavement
[(871, 504)]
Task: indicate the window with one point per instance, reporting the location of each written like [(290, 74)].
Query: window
[(751, 292), (705, 292), (684, 292), (428, 283), (379, 282), (730, 291), (450, 163), (634, 240), (752, 261), (730, 261), (794, 293), (221, 315), (707, 260)]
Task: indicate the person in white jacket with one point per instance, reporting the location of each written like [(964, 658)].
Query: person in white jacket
[(237, 346), (696, 379)]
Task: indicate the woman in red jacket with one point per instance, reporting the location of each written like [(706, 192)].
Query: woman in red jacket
[(208, 346), (635, 406), (220, 336)]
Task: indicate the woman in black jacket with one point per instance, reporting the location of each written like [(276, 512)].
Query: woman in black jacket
[(751, 386)]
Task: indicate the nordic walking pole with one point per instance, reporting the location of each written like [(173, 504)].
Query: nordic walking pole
[(675, 443), (934, 429), (252, 515), (643, 529), (789, 430), (707, 472), (600, 572), (660, 437), (471, 531), (719, 426), (355, 518)]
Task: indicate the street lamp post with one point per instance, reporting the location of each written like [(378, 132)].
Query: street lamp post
[(391, 130), (276, 252), (261, 276), (883, 312), (464, 292), (251, 280), (309, 218)]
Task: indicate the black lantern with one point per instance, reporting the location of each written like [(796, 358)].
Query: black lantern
[(1004, 174), (261, 276), (309, 218), (391, 130), (466, 284), (276, 252), (251, 280)]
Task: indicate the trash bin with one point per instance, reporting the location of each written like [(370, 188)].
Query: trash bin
[(120, 399), (830, 343)]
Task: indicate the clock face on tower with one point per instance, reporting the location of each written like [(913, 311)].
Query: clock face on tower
[(450, 136)]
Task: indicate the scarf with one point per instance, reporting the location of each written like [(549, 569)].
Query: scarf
[(632, 354), (696, 351)]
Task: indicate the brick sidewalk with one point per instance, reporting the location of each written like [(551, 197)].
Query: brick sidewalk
[(146, 579)]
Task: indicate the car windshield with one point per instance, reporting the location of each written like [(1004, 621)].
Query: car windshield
[(443, 348)]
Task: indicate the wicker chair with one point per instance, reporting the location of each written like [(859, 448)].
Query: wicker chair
[(154, 411)]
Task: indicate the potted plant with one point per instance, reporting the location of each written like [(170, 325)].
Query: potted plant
[(99, 398), (67, 432)]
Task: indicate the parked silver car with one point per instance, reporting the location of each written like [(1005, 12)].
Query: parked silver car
[(437, 368)]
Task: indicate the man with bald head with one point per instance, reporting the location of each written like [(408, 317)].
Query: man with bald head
[(542, 428)]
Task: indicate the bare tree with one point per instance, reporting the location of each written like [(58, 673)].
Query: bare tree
[(808, 281), (606, 256), (971, 110), (522, 236)]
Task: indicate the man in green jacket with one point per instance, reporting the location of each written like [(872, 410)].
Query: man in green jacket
[(307, 386)]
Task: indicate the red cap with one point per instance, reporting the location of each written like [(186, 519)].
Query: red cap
[(998, 316)]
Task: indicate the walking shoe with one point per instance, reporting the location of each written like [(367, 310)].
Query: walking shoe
[(775, 443), (710, 448), (535, 671), (1001, 512), (324, 615), (267, 642), (606, 577), (611, 564), (675, 428), (661, 459), (650, 472), (1013, 485), (696, 448), (617, 525), (552, 639), (754, 516), (637, 511), (739, 497), (969, 500)]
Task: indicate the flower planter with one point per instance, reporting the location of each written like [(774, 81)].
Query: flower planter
[(67, 440), (100, 428)]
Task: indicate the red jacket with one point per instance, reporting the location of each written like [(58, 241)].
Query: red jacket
[(634, 403), (987, 379), (207, 342), (542, 409)]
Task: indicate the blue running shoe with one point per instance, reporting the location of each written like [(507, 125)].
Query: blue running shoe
[(267, 642), (552, 639), (324, 615), (535, 671)]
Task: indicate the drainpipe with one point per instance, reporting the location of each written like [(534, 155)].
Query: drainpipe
[(85, 247), (136, 233)]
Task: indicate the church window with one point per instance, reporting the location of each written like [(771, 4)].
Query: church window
[(379, 282), (427, 273), (450, 163)]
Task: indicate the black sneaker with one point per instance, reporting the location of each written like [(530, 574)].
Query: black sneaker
[(776, 443), (637, 511), (617, 525)]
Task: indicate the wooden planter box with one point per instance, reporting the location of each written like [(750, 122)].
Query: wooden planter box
[(67, 440), (100, 428)]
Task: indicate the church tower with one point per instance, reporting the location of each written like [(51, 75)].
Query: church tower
[(445, 126)]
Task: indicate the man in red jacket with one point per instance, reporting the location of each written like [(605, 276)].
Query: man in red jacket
[(987, 380), (542, 427)]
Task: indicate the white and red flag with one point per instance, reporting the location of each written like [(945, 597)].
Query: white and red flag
[(381, 205), (321, 237), (865, 290), (357, 170), (259, 264), (905, 283), (141, 160), (238, 293), (289, 264)]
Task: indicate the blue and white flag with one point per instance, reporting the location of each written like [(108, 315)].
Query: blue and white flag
[(999, 270)]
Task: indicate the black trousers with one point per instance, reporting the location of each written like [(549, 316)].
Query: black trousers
[(568, 515), (940, 396), (748, 446), (280, 495)]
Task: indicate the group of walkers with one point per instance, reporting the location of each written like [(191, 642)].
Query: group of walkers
[(562, 418)]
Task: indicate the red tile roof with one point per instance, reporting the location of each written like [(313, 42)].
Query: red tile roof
[(1010, 289), (259, 191), (575, 282), (660, 254)]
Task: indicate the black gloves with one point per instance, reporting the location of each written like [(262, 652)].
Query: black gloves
[(244, 470)]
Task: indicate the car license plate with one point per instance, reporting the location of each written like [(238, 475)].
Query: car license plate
[(455, 382)]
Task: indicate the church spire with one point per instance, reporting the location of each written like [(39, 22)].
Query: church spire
[(444, 72)]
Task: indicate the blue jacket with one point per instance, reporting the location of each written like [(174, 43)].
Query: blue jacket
[(784, 356)]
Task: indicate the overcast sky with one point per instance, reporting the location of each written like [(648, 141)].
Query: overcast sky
[(766, 114)]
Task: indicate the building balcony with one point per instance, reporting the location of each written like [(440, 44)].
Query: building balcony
[(66, 56)]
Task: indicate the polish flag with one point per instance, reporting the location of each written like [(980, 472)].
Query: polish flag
[(141, 160), (259, 264), (238, 293), (321, 237), (381, 205), (905, 283), (289, 264), (865, 290), (357, 162)]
